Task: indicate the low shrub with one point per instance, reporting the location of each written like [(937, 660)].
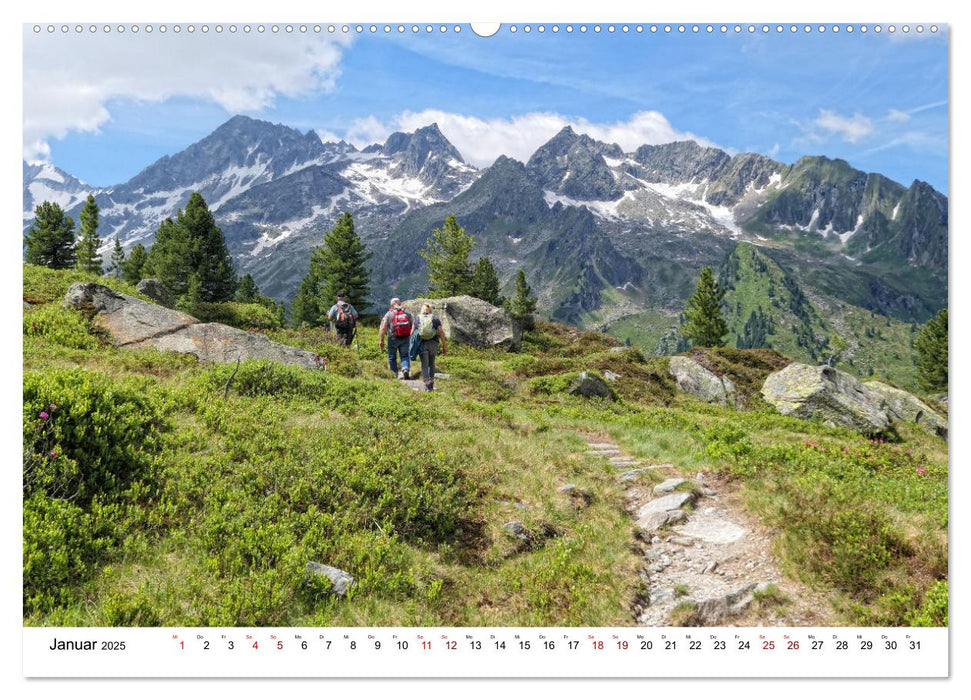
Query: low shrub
[(60, 326), (86, 434), (238, 315)]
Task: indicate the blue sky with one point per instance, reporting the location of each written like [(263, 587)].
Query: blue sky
[(102, 108)]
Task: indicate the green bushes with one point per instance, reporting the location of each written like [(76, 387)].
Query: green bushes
[(62, 543), (238, 315), (59, 326), (85, 426)]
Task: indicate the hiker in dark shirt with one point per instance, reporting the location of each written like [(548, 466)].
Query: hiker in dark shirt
[(429, 330), (396, 326), (344, 317)]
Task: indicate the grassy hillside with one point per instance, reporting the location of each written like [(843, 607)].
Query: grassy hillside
[(154, 495)]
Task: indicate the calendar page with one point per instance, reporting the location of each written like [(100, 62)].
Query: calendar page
[(516, 350)]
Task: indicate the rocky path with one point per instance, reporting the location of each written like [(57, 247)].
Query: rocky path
[(706, 562)]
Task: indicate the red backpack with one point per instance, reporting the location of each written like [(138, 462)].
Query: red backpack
[(400, 323)]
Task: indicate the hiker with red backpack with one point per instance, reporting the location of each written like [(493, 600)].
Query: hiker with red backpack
[(344, 317), (396, 326)]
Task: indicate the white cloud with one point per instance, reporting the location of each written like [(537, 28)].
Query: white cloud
[(896, 116), (70, 79), (481, 141), (774, 151), (850, 129)]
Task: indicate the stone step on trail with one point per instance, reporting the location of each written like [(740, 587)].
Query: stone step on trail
[(602, 445)]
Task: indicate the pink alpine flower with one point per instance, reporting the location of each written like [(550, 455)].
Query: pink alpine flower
[(43, 415), (53, 453), (921, 471), (53, 406)]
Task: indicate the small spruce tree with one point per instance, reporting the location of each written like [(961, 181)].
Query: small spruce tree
[(248, 292), (931, 354), (190, 245), (50, 239), (523, 304), (133, 269), (86, 251), (339, 265), (447, 255), (704, 325), (116, 266), (485, 283)]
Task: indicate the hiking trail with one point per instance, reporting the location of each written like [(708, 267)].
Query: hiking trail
[(706, 561)]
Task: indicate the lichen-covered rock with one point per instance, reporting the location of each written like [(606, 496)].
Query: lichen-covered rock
[(127, 319), (155, 290), (826, 394), (694, 379), (589, 384), (473, 322), (133, 323), (904, 406)]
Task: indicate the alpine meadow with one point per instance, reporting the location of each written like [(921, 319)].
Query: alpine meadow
[(645, 379)]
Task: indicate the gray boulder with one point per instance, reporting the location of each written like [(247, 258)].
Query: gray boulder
[(656, 513), (904, 406), (588, 385), (827, 394), (156, 291), (340, 580), (134, 323), (473, 322), (694, 379)]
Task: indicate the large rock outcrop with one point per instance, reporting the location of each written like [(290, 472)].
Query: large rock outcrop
[(695, 379), (473, 322), (827, 394), (838, 398), (134, 323), (904, 406)]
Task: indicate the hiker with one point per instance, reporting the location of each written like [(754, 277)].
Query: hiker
[(344, 317), (397, 325), (429, 331)]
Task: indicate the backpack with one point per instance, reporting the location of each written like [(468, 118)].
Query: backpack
[(344, 321), (401, 323), (426, 327)]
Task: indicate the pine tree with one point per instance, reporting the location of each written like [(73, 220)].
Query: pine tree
[(116, 266), (336, 266), (485, 283), (523, 304), (931, 354), (88, 243), (50, 239), (193, 245), (133, 269), (248, 292), (447, 255), (703, 324)]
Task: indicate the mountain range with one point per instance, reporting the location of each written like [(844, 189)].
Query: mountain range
[(607, 237)]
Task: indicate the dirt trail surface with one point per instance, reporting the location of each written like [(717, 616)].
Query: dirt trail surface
[(706, 561)]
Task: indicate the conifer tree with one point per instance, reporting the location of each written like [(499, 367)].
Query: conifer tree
[(485, 283), (523, 304), (704, 325), (116, 266), (50, 239), (248, 292), (88, 243), (336, 266), (931, 353), (190, 245), (133, 269), (447, 255)]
